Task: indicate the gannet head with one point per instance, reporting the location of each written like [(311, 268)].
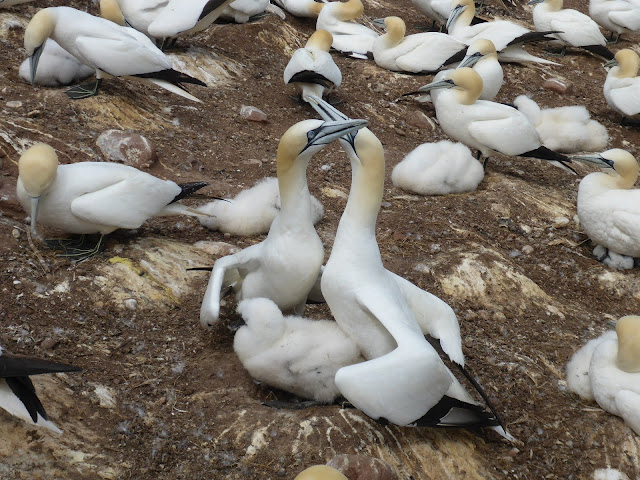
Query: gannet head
[(628, 63), (477, 50), (348, 10), (320, 472), (628, 330), (466, 80), (321, 40), (35, 35), (37, 170), (617, 163), (110, 10), (396, 29), (465, 9)]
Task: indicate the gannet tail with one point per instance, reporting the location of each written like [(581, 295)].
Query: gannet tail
[(515, 54), (600, 51), (533, 37), (557, 159)]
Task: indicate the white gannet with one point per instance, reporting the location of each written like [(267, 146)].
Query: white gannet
[(436, 10), (438, 169), (613, 365), (609, 206), (567, 129), (419, 53), (294, 354), (320, 472), (137, 15), (110, 49), (486, 126), (93, 197), (617, 16), (56, 67), (572, 28), (241, 11), (349, 37), (312, 68), (387, 316), (285, 266), (17, 393), (622, 85), (301, 8), (252, 211), (483, 58)]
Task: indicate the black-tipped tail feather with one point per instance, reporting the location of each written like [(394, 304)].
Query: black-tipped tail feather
[(533, 37), (600, 51), (451, 412)]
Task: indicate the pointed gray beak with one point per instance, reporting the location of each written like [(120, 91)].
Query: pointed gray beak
[(435, 85), (455, 13), (611, 63), (534, 2), (597, 160), (35, 203), (470, 60), (330, 113), (333, 130), (33, 62)]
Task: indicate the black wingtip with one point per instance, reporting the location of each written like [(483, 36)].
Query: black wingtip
[(188, 189), (19, 366), (172, 76), (544, 153), (309, 76), (600, 51), (530, 37), (450, 412)]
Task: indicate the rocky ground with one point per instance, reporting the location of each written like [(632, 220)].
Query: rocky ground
[(162, 398)]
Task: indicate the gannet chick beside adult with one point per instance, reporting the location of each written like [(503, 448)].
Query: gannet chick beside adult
[(301, 8), (285, 266), (622, 85), (609, 206), (438, 169), (17, 393), (295, 354), (110, 49), (616, 16), (567, 129), (56, 67), (252, 211), (93, 197), (573, 29), (349, 37), (312, 68)]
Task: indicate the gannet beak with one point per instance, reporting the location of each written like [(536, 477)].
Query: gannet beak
[(470, 60), (33, 62), (435, 85), (333, 130), (610, 64), (455, 13), (330, 113), (378, 22), (35, 203), (597, 160), (534, 2)]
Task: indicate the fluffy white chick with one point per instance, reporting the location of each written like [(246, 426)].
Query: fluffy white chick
[(567, 129), (252, 211), (294, 354), (438, 169), (56, 67), (578, 367)]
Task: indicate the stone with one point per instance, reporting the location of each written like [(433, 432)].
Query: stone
[(219, 249), (362, 467), (558, 85), (126, 147), (14, 104), (419, 120), (253, 114)]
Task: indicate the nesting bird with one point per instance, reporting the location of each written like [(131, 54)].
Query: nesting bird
[(622, 86), (349, 37), (56, 67)]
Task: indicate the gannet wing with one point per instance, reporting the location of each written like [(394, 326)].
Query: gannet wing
[(351, 28), (629, 18), (627, 403), (428, 54), (182, 15), (497, 132), (18, 366), (625, 222), (312, 67), (576, 28), (627, 98), (32, 411)]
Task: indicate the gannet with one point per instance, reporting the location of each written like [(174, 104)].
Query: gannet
[(292, 353), (617, 16), (486, 126), (252, 211), (436, 10), (241, 11), (311, 68), (403, 380), (572, 28), (285, 266), (109, 48), (438, 169), (622, 86), (349, 37), (612, 363), (483, 58), (419, 53), (56, 67), (609, 206), (301, 8), (320, 472), (567, 129), (17, 393), (93, 197)]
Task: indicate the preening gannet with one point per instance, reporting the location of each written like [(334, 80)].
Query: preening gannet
[(252, 211), (572, 28), (110, 49), (567, 129), (320, 472), (93, 197), (301, 8), (311, 68), (612, 363), (617, 16), (622, 86), (486, 126), (419, 53), (294, 354), (285, 266), (483, 58), (17, 393), (56, 67), (349, 37), (609, 206)]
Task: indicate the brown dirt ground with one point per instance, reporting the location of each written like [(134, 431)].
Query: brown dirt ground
[(172, 425)]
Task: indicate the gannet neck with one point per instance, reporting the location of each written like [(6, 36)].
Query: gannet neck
[(321, 40), (396, 30), (468, 85), (315, 8), (553, 5), (110, 10), (39, 29), (628, 64), (349, 10), (37, 169), (628, 331), (465, 17)]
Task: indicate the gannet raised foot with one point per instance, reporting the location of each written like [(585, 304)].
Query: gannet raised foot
[(17, 393), (622, 87), (93, 197), (112, 50), (349, 37), (56, 67), (301, 8), (285, 266)]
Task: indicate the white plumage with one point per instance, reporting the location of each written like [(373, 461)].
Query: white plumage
[(137, 14), (622, 87), (56, 67), (567, 129), (349, 37), (240, 11), (301, 8), (183, 17), (578, 379), (438, 169), (436, 10), (482, 57), (617, 16)]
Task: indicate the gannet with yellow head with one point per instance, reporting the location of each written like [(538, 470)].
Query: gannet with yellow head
[(483, 58), (622, 86), (349, 37)]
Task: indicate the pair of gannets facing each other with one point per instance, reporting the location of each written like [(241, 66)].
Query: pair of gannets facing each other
[(17, 393), (616, 16), (349, 37), (609, 207), (312, 68), (607, 369), (56, 67), (93, 197), (110, 49), (285, 266), (622, 86), (572, 28)]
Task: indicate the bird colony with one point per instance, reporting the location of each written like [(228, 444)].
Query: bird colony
[(326, 320)]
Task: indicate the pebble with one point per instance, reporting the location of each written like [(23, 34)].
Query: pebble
[(216, 248), (557, 85), (126, 147), (422, 268), (131, 303), (16, 233), (253, 114), (49, 343), (362, 467), (14, 104), (419, 120), (527, 249), (559, 222)]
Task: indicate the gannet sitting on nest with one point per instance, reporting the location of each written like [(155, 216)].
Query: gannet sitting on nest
[(609, 207), (438, 169), (312, 68), (110, 49), (349, 37), (617, 16), (301, 8), (573, 29), (622, 86), (252, 211), (17, 393), (607, 369), (56, 67), (285, 266), (93, 197), (567, 129)]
